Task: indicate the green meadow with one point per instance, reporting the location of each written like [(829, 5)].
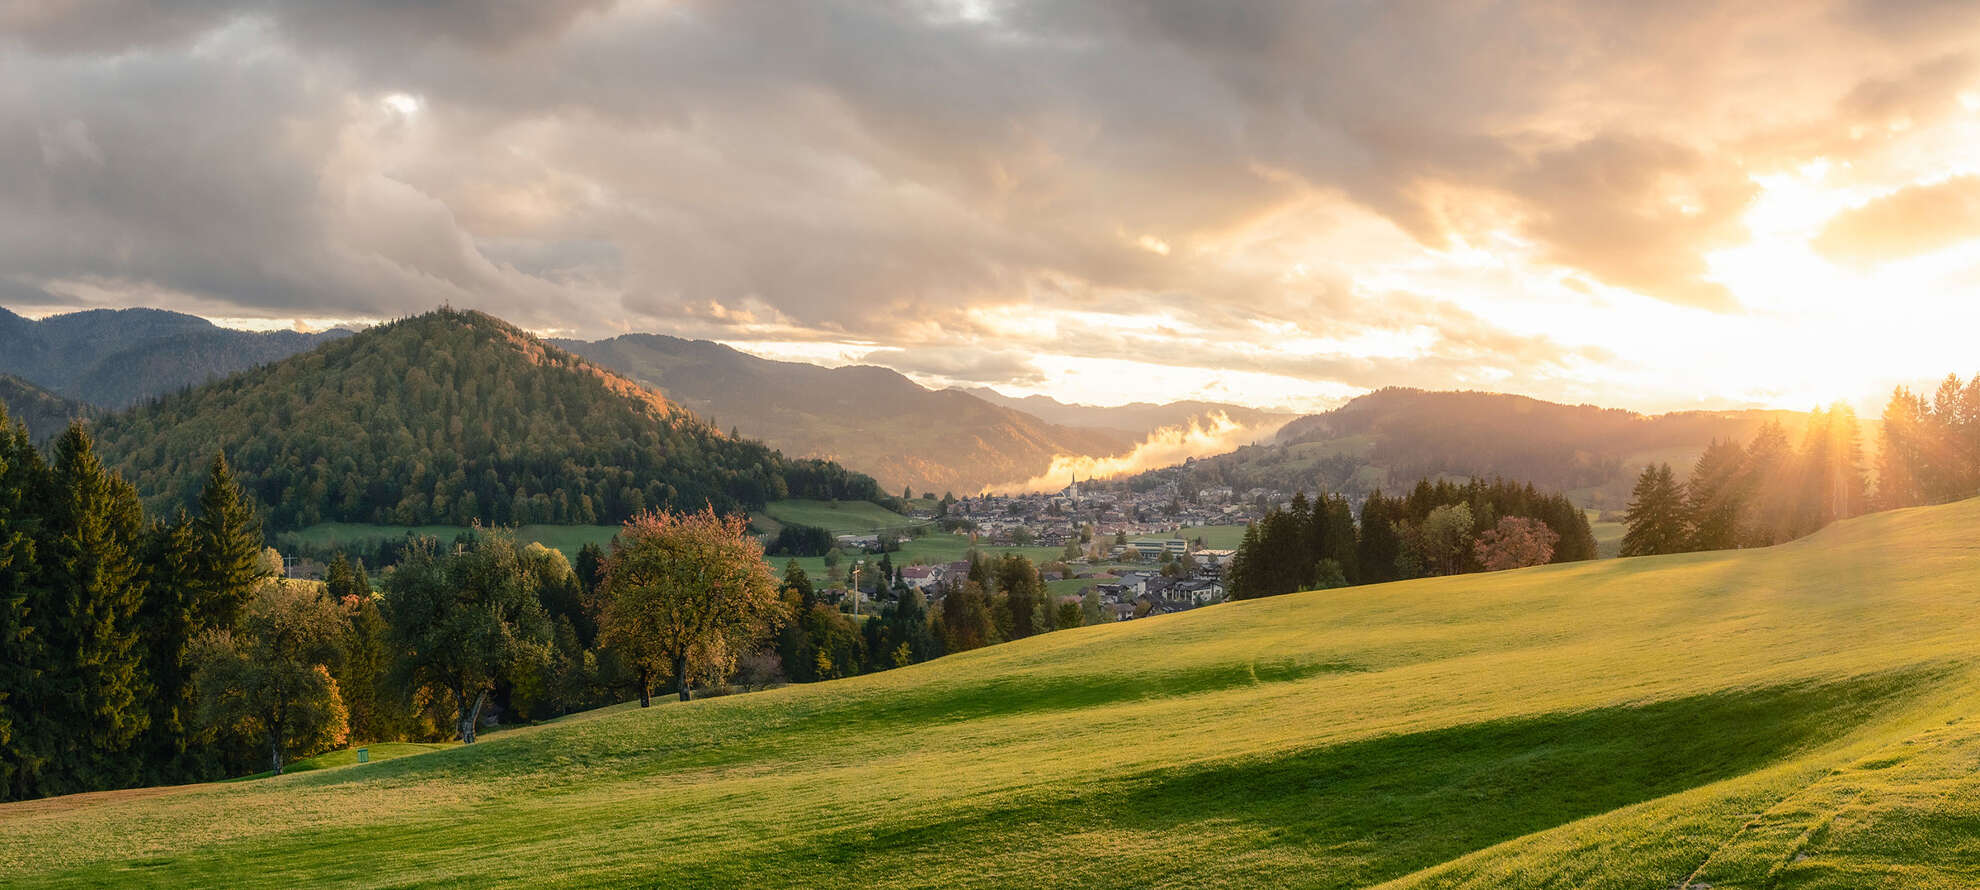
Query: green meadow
[(1797, 717), (840, 517)]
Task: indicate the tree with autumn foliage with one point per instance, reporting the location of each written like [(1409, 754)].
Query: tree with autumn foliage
[(685, 592), (269, 677), (1515, 543)]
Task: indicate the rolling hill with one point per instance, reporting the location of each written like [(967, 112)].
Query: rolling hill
[(1802, 716), (1392, 437), (446, 418), (114, 358), (871, 419), (43, 413)]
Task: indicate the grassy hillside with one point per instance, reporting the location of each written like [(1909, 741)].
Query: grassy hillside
[(1798, 717)]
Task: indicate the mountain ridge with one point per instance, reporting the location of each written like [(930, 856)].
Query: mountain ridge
[(115, 358), (1393, 436), (452, 417), (904, 434), (44, 413)]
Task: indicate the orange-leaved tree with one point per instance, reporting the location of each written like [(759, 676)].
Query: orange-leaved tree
[(686, 591)]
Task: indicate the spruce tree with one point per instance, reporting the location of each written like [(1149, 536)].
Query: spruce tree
[(168, 621), (1341, 542), (1656, 519), (92, 590), (1716, 496), (1378, 544), (1900, 463), (228, 534), (21, 480), (1241, 579)]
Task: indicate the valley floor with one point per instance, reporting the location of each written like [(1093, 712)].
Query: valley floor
[(1798, 717)]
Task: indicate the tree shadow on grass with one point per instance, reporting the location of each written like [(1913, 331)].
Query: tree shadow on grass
[(1360, 813)]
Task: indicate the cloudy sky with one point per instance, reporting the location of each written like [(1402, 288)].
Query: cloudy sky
[(1649, 205)]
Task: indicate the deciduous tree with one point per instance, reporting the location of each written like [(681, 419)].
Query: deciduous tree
[(1515, 542), (270, 678), (686, 586), (464, 619)]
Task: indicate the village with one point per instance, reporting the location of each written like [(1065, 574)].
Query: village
[(1137, 553)]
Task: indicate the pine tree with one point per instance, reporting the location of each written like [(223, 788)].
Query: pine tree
[(1378, 545), (168, 621), (22, 476), (92, 590), (1900, 461), (1716, 496), (1241, 579), (1341, 543), (590, 566), (229, 565), (1656, 519), (363, 675), (1771, 482)]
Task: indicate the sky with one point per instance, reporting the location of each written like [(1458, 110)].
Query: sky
[(1647, 205)]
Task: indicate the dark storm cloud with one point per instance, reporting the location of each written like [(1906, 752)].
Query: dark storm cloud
[(881, 170)]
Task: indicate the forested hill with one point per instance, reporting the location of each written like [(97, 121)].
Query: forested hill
[(451, 417), (869, 418), (42, 412), (113, 358), (1393, 437)]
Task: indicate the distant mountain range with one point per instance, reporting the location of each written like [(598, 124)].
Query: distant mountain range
[(449, 418), (43, 413), (115, 358), (875, 421), (869, 418), (1390, 438), (866, 417)]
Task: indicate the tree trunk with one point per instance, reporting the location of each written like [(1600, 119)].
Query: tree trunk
[(470, 716), (645, 687), (680, 675), (275, 753)]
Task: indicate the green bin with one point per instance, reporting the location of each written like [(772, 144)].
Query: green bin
[(364, 755)]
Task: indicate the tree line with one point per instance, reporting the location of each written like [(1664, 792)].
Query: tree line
[(1931, 452), (102, 613), (1770, 489), (144, 651), (1439, 528)]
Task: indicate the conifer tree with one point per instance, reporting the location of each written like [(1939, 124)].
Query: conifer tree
[(229, 537), (1378, 544), (21, 479), (1656, 519), (91, 592), (364, 668), (1900, 462), (1716, 496), (168, 621), (1241, 578)]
